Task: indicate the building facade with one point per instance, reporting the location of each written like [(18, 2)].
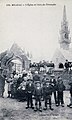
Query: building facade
[(14, 59)]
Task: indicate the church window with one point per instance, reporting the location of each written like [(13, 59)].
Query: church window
[(66, 36)]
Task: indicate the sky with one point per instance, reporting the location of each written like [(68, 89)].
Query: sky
[(33, 28)]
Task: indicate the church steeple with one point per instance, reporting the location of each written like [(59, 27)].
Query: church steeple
[(64, 32), (64, 14)]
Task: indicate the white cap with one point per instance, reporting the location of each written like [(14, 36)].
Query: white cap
[(36, 72)]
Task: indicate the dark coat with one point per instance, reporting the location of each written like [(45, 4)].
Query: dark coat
[(70, 83), (66, 65), (19, 81), (53, 84), (2, 84), (14, 87), (38, 91), (29, 88), (60, 87), (47, 90), (71, 90)]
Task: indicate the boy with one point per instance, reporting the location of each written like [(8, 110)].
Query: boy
[(38, 95), (29, 92), (60, 89), (47, 90)]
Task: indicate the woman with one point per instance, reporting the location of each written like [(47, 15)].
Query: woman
[(5, 89)]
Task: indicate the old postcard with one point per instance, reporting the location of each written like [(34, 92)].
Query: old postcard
[(35, 60)]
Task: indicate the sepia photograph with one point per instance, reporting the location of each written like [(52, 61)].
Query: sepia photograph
[(35, 60)]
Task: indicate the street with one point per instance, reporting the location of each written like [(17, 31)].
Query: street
[(11, 109)]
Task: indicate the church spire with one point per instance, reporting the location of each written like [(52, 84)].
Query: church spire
[(64, 13), (64, 32)]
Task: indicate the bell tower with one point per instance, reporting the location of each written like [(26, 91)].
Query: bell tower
[(65, 40)]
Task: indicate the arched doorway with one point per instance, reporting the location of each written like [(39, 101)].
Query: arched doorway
[(15, 64)]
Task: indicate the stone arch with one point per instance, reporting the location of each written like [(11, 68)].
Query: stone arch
[(14, 57), (15, 63)]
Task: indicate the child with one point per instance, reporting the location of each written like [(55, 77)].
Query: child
[(60, 89), (38, 95), (29, 92), (47, 90)]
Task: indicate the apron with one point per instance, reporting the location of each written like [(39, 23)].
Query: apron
[(5, 95)]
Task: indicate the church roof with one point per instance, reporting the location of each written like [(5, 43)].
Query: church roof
[(16, 49), (62, 55)]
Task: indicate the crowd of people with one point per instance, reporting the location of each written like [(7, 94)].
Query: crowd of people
[(36, 87)]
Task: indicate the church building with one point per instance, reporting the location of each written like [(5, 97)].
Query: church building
[(64, 52)]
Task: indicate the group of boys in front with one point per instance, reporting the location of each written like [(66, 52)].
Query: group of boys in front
[(43, 90)]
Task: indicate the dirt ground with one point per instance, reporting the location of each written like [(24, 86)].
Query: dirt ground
[(11, 109)]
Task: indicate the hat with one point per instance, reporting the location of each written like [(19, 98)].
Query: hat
[(37, 82), (36, 72), (29, 80), (52, 75)]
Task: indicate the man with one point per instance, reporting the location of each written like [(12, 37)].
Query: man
[(2, 83), (29, 93), (38, 95), (60, 89), (43, 81), (36, 77), (47, 90), (70, 83), (53, 83), (66, 65), (44, 78)]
